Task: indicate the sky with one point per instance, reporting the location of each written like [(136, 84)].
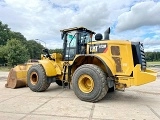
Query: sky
[(133, 20)]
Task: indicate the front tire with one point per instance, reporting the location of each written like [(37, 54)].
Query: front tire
[(36, 78), (89, 83)]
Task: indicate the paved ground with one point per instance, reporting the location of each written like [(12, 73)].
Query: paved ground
[(136, 103)]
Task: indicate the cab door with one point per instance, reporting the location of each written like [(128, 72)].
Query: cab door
[(70, 45)]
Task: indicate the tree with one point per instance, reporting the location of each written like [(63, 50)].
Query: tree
[(34, 49), (6, 34), (3, 61), (152, 56), (56, 51), (16, 52), (18, 36)]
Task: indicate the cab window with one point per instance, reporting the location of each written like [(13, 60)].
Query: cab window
[(71, 39), (85, 37)]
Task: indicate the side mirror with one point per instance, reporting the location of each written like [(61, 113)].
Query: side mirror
[(45, 50), (47, 53)]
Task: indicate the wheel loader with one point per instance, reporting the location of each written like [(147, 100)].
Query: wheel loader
[(91, 63)]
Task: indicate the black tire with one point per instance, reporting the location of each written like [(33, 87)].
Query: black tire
[(59, 82), (99, 86), (36, 78)]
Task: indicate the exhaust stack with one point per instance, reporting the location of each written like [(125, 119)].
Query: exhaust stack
[(106, 34)]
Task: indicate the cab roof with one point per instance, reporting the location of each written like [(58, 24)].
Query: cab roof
[(77, 28)]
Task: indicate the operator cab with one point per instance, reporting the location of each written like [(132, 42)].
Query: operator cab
[(75, 41)]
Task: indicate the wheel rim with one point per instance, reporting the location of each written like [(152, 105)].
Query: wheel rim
[(85, 83), (34, 78)]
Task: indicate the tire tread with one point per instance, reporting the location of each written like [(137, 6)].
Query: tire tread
[(104, 86), (44, 84)]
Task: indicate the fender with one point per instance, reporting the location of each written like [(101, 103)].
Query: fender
[(109, 66), (51, 67), (109, 63)]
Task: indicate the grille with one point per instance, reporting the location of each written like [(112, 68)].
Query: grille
[(143, 59)]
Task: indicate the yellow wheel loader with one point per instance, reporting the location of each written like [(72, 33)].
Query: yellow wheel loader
[(92, 66)]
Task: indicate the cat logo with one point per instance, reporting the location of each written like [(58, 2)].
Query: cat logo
[(93, 48), (98, 48)]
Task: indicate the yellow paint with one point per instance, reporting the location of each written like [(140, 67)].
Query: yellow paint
[(123, 79), (139, 77), (21, 71), (51, 67), (108, 61), (143, 77), (125, 56), (85, 83)]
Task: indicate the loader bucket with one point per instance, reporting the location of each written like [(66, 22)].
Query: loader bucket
[(17, 76)]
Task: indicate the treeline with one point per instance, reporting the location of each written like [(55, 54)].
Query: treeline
[(15, 48), (152, 56)]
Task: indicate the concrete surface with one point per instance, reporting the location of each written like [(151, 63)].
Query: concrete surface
[(136, 103), (3, 75)]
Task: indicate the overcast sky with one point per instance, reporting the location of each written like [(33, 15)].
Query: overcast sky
[(135, 20)]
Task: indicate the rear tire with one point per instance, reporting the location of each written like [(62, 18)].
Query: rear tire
[(89, 83), (36, 78)]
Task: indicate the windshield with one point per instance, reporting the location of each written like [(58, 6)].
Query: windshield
[(71, 39)]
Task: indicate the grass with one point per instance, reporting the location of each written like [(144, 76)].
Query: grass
[(152, 64), (5, 69)]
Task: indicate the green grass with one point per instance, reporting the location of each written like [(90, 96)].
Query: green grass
[(5, 69), (157, 63)]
